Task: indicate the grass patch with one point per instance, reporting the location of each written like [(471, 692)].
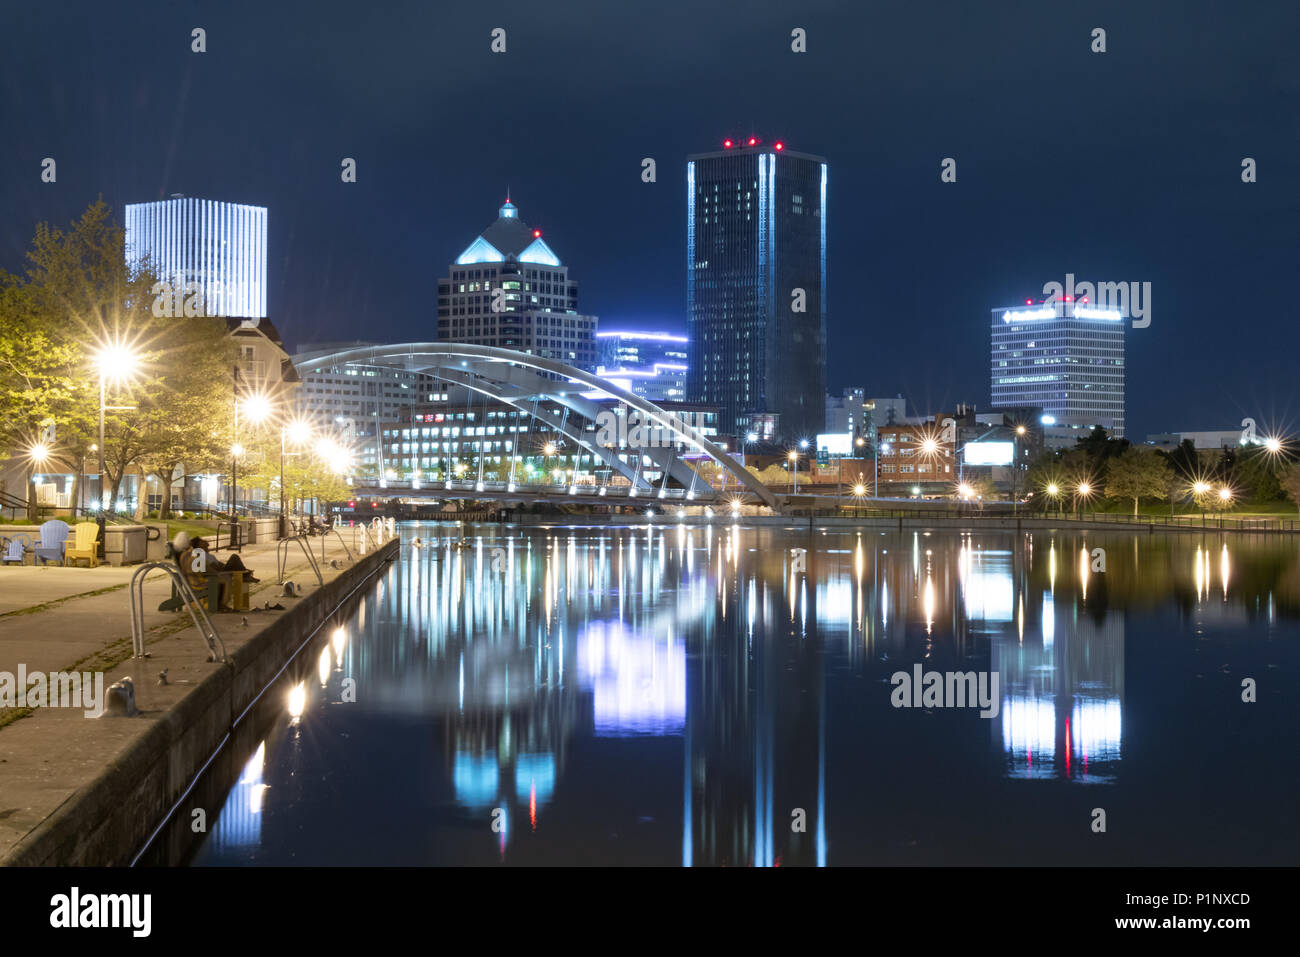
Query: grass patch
[(43, 606)]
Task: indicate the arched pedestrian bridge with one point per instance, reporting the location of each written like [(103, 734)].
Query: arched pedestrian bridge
[(644, 464)]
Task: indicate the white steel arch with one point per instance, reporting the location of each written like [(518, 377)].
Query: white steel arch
[(515, 378)]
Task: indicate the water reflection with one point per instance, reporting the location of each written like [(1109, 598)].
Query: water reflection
[(720, 695)]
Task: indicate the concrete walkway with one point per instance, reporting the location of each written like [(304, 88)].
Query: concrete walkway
[(78, 619)]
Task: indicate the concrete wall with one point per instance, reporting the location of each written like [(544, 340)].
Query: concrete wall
[(109, 820)]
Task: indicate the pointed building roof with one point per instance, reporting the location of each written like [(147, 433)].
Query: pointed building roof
[(509, 239)]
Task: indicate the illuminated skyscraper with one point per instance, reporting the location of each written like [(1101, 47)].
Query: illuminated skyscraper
[(649, 364), (202, 246), (756, 285), (1066, 358), (508, 289)]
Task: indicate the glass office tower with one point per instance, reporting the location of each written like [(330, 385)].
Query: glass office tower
[(756, 285), (1066, 358), (219, 247)]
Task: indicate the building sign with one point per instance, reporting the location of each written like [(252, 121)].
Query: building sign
[(990, 453)]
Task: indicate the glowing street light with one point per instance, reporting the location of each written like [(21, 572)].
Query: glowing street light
[(257, 408), (794, 463), (116, 362)]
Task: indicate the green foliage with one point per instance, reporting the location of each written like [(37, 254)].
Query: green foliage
[(1137, 474), (79, 294)]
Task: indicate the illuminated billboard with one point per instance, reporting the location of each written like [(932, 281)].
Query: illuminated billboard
[(836, 443), (990, 453)]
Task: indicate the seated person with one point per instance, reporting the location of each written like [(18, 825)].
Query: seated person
[(199, 580)]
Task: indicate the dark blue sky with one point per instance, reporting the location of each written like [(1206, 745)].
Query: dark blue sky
[(1115, 166)]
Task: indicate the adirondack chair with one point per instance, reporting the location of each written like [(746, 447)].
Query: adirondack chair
[(53, 536), (86, 536), (14, 549)]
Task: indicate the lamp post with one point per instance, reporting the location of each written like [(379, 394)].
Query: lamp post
[(1015, 469), (1200, 490), (118, 362), (1054, 493), (298, 432), (794, 463), (1225, 499)]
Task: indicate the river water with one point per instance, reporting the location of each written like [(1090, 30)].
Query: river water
[(734, 695)]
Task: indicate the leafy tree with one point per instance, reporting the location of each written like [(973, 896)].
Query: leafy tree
[(1290, 481), (78, 294), (185, 419), (1138, 473)]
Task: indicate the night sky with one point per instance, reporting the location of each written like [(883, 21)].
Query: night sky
[(1117, 166)]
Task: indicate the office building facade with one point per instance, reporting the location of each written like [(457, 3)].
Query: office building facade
[(510, 290), (207, 251), (756, 286), (1066, 358), (649, 364)]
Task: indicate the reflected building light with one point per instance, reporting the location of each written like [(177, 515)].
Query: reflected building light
[(638, 682), (1096, 726), (1223, 569), (240, 822), (1049, 621), (1051, 567), (297, 700), (475, 778), (323, 666), (1029, 734), (534, 780), (989, 589), (928, 601), (339, 639)]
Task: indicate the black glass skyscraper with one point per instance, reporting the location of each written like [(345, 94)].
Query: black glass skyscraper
[(756, 286)]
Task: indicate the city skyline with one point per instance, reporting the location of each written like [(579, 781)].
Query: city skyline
[(911, 251)]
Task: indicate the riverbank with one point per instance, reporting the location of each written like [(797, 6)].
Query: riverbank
[(694, 517), (90, 791)]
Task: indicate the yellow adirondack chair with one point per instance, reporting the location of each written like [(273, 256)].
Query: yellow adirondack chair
[(84, 547)]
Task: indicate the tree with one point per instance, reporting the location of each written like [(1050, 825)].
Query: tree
[(186, 417), (78, 295), (1290, 479), (1138, 473)]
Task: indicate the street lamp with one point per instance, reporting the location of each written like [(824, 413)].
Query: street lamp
[(1015, 469), (1200, 490), (1054, 493), (1225, 499), (116, 362), (1082, 490), (794, 463), (298, 433)]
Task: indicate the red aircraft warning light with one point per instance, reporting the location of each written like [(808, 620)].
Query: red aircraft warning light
[(753, 141), (537, 234), (778, 146), (727, 144)]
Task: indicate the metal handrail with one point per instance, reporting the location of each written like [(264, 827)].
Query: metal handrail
[(282, 557), (197, 612), (233, 524)]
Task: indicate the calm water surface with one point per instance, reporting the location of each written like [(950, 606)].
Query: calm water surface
[(714, 696)]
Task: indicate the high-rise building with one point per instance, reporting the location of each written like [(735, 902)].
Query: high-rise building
[(756, 285), (649, 364), (509, 289), (1066, 358), (203, 247)]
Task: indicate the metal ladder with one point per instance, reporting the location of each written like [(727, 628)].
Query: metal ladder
[(197, 612), (282, 557)]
